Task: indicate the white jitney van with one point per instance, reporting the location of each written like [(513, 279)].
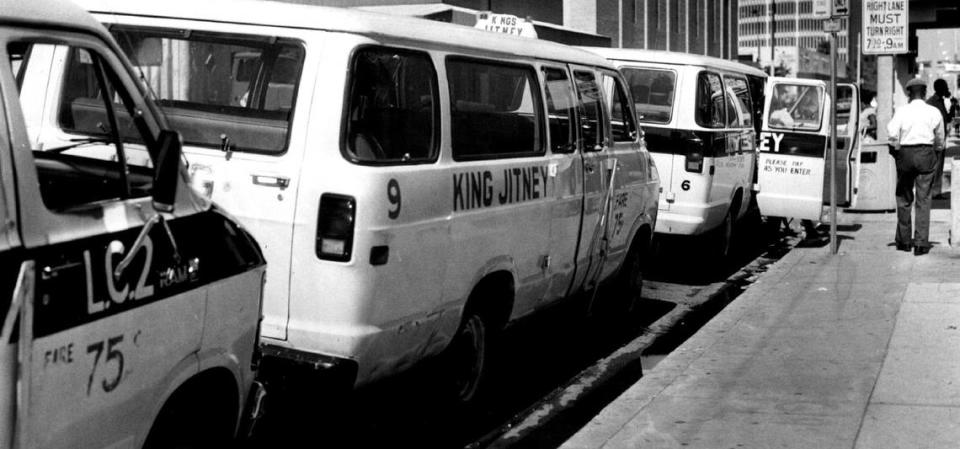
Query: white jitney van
[(416, 185), (700, 118), (129, 305)]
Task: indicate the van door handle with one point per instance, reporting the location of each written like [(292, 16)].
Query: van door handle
[(281, 182), (52, 272)]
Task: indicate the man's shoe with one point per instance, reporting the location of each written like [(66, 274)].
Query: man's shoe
[(904, 247), (921, 250)]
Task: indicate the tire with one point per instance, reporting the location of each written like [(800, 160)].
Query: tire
[(467, 360), (190, 424), (618, 301), (630, 279), (723, 243)]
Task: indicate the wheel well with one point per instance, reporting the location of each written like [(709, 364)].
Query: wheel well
[(492, 299), (210, 397)]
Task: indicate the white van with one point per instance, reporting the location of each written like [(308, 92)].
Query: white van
[(700, 118), (129, 305), (424, 185)]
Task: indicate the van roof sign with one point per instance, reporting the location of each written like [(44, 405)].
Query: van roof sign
[(506, 24)]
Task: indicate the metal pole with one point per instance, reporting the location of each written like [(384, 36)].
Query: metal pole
[(833, 143), (859, 59)]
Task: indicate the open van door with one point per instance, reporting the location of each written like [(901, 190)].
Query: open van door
[(848, 147), (792, 149), (792, 176)]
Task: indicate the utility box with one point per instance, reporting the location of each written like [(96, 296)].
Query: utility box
[(878, 180)]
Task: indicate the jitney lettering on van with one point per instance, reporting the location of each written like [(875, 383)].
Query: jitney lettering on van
[(476, 189), (766, 137)]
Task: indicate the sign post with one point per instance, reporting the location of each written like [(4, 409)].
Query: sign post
[(839, 9)]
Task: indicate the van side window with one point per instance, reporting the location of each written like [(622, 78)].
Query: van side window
[(88, 161), (219, 90), (711, 104), (589, 105), (795, 106), (560, 110), (653, 92), (620, 110), (392, 107), (495, 110), (733, 115), (738, 90)]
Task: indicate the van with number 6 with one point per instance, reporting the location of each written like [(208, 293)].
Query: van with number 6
[(129, 304), (417, 186), (701, 119)]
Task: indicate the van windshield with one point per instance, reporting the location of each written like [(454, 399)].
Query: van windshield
[(219, 90), (652, 91)]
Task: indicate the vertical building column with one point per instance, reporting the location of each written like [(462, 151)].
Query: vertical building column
[(646, 24), (669, 31), (580, 15)]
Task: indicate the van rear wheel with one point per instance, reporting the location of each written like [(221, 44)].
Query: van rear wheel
[(467, 360), (724, 238)]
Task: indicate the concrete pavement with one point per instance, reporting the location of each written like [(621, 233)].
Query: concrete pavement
[(857, 350)]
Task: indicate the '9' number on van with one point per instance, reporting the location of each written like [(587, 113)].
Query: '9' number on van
[(393, 195)]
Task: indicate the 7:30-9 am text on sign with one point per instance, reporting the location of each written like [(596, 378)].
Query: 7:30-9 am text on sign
[(885, 26)]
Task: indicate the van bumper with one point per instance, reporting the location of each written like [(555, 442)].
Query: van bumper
[(678, 224), (287, 368)]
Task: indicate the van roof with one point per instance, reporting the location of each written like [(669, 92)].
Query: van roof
[(50, 13), (268, 13), (673, 58)]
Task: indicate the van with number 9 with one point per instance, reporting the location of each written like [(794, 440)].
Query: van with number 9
[(417, 186), (129, 304)]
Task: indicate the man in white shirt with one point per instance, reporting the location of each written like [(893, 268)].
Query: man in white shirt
[(916, 135)]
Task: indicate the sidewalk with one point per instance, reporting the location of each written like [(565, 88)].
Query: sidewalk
[(857, 350)]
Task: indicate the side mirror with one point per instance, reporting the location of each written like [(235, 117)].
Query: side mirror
[(166, 171)]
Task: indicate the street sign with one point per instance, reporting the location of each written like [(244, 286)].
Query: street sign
[(840, 8), (821, 9), (831, 26), (885, 26), (506, 24)]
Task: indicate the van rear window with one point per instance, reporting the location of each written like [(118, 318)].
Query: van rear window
[(393, 110), (653, 93), (495, 110), (219, 90)]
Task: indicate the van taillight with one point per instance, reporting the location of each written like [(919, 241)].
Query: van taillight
[(694, 162), (335, 227), (694, 159)]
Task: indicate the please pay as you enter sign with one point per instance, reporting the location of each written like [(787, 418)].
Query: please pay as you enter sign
[(885, 26)]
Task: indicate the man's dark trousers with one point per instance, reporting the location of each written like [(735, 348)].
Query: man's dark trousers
[(916, 165)]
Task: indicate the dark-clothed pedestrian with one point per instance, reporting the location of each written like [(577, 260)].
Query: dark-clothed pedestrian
[(941, 92), (917, 137), (955, 115)]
